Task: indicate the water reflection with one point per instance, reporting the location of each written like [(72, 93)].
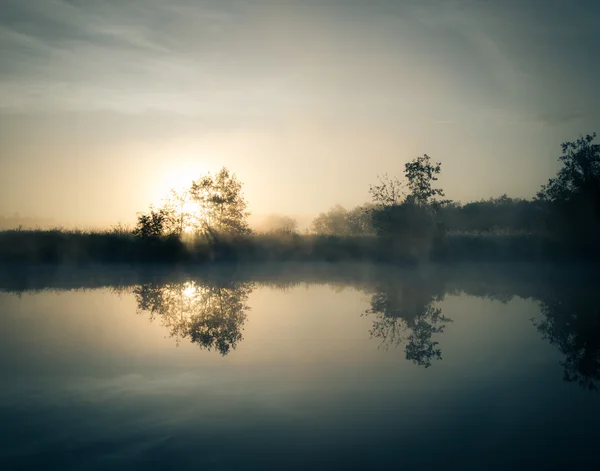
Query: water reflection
[(405, 307), (571, 322), (210, 315), (404, 314)]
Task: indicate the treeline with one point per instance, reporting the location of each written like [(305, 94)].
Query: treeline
[(494, 215), (566, 209), (408, 219)]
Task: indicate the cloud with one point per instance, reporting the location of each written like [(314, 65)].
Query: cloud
[(83, 55), (379, 60)]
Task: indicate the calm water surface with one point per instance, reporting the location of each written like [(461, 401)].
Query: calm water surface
[(350, 368)]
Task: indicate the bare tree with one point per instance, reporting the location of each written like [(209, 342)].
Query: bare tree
[(389, 191), (182, 217)]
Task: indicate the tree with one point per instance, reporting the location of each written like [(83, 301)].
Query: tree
[(407, 223), (358, 220), (573, 196), (221, 205), (411, 215), (500, 213), (342, 222), (389, 192), (211, 205), (153, 224), (181, 212), (421, 173), (332, 222), (278, 224), (580, 171)]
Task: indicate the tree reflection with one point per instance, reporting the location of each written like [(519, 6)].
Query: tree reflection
[(571, 321), (210, 315), (405, 314), (403, 305)]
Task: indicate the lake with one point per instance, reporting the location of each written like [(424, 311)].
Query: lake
[(300, 367)]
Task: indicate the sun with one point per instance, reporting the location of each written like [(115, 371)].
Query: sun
[(189, 289), (189, 207), (179, 179)]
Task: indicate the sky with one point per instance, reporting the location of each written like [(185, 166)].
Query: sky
[(107, 104)]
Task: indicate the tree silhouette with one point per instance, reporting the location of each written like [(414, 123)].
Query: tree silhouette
[(153, 224), (420, 174), (579, 173), (221, 203), (409, 216), (494, 214), (212, 205), (210, 315), (389, 192), (573, 196)]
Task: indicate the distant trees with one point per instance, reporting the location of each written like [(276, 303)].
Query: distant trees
[(342, 222), (358, 220), (332, 222), (494, 214), (398, 208), (212, 205), (280, 224)]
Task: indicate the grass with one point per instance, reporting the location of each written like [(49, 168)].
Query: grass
[(120, 246)]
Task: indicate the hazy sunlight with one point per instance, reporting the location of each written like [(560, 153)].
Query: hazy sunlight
[(189, 289), (179, 179), (270, 217)]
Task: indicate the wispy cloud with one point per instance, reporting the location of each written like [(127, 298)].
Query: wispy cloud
[(118, 56), (380, 59)]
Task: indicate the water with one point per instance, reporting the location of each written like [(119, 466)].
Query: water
[(300, 367)]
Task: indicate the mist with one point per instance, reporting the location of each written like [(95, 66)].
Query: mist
[(299, 234)]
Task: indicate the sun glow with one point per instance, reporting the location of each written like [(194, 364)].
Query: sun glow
[(179, 179), (189, 289), (189, 207), (172, 191)]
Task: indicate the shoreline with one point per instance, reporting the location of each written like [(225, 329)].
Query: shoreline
[(60, 247)]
